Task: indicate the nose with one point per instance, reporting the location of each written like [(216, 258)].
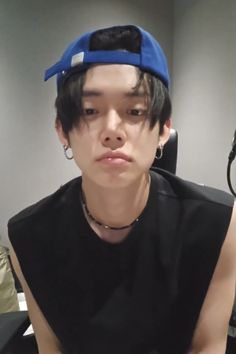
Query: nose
[(113, 135)]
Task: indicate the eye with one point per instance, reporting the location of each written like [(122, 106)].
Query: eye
[(89, 111), (136, 112)]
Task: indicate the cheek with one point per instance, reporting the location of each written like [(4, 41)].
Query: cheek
[(148, 139), (79, 138), (150, 144), (144, 149), (84, 150)]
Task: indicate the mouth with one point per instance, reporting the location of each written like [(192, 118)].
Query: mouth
[(114, 159), (114, 156)]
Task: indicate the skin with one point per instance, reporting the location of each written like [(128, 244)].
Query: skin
[(114, 121), (123, 187)]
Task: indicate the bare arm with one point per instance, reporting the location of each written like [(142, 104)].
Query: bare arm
[(46, 340), (211, 332)]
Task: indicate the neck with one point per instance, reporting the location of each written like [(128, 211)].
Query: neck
[(116, 207)]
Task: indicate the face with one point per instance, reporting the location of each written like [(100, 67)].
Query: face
[(113, 144)]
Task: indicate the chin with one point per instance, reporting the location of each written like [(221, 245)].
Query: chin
[(115, 180)]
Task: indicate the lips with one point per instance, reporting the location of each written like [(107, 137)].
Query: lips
[(114, 155)]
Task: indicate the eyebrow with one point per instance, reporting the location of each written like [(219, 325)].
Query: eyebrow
[(96, 93), (89, 93)]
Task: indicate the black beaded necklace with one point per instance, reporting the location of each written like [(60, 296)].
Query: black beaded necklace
[(107, 227)]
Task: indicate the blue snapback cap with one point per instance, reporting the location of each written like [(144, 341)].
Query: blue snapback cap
[(151, 57)]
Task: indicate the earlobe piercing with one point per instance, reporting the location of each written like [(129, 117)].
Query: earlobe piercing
[(159, 153), (65, 148)]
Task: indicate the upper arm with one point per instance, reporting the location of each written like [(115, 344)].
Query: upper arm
[(211, 331), (45, 337)]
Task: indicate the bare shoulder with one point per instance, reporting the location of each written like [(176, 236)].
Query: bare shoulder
[(226, 266), (46, 339), (211, 332)]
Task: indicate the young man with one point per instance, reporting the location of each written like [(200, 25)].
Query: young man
[(124, 260)]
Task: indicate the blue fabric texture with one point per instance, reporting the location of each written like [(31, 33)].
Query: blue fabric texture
[(151, 57)]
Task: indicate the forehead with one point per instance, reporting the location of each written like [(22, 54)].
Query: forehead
[(111, 77)]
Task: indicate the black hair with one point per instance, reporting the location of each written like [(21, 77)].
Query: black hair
[(68, 102)]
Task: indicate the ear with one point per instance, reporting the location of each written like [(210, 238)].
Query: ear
[(164, 137), (61, 135)]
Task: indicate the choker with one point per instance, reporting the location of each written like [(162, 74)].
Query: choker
[(107, 227)]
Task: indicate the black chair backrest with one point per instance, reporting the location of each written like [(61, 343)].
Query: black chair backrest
[(168, 161)]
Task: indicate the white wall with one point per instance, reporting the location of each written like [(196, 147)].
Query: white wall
[(204, 88), (33, 35)]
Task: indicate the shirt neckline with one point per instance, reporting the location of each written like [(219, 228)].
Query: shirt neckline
[(92, 236)]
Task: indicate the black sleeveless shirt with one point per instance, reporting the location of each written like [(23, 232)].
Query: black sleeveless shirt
[(140, 296)]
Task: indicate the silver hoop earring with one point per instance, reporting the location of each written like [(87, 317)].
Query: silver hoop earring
[(65, 148), (159, 152)]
